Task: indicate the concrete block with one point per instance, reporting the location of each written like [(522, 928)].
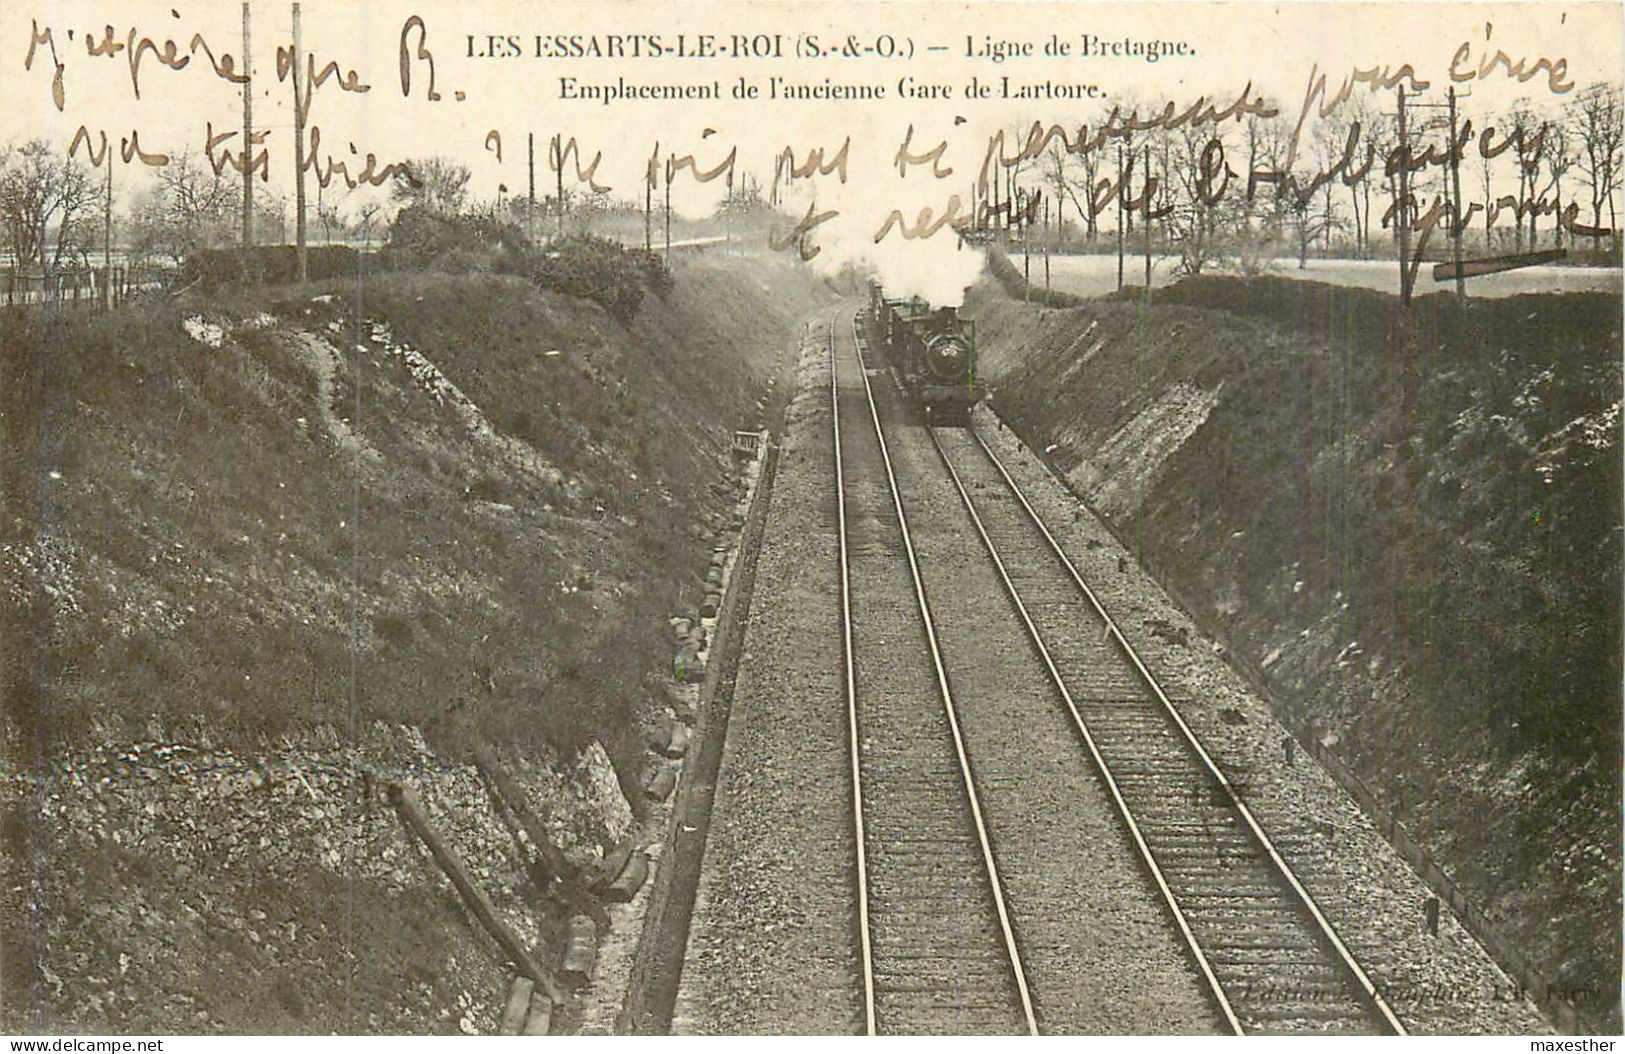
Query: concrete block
[(683, 706), (613, 863), (677, 741), (517, 1007), (539, 1022), (630, 880), (580, 951), (661, 782)]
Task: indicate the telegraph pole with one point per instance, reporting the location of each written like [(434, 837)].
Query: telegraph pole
[(1459, 225), (1026, 249), (558, 157), (248, 141), (299, 155), (1402, 222), (530, 201), (1121, 190), (1145, 203), (1049, 239), (107, 236), (649, 176)]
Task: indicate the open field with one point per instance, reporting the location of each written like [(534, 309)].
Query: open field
[(1097, 275)]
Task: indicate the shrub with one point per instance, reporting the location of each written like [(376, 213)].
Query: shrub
[(265, 264), (423, 238), (605, 272)]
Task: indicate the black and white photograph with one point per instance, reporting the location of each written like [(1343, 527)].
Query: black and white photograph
[(837, 518)]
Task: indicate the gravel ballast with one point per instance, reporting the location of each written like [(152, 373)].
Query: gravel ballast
[(770, 947), (773, 942)]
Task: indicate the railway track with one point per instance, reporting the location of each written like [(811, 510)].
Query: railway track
[(938, 954), (939, 947), (1269, 956)]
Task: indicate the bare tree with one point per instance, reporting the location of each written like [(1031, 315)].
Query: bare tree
[(1360, 117), (1201, 219), (1268, 141), (1487, 181), (1559, 159), (48, 206), (1529, 129), (189, 207), (272, 217), (1073, 175), (1312, 218), (434, 183), (1601, 127), (1328, 148), (328, 215), (1063, 179)]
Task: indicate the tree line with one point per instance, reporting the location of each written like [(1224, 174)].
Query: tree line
[(1274, 206)]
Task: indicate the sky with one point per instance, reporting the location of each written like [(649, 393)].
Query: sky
[(500, 72)]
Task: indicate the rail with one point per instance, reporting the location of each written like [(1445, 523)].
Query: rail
[(1345, 957), (1110, 779), (944, 692), (852, 702)]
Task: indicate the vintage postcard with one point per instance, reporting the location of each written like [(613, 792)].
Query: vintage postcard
[(843, 518)]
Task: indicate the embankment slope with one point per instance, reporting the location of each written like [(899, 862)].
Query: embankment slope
[(265, 551)]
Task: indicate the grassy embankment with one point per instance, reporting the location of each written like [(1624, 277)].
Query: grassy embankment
[(202, 533), (187, 520)]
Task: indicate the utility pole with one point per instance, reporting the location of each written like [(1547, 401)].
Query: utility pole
[(1026, 249), (1121, 190), (997, 222), (1048, 239), (558, 162), (1458, 225), (1402, 223), (668, 208), (107, 236), (649, 202), (248, 142), (530, 201), (299, 154), (1145, 203)]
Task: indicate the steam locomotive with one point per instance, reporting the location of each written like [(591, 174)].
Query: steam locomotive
[(932, 351)]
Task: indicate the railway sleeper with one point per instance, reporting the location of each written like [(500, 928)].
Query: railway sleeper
[(1285, 988), (1196, 837), (1194, 851), (922, 985), (1307, 954), (1229, 933), (1259, 913), (960, 957), (1340, 1014), (1224, 943), (1317, 979), (1220, 899), (1238, 870)]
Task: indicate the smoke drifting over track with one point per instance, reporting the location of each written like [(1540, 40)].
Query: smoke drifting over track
[(905, 259)]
